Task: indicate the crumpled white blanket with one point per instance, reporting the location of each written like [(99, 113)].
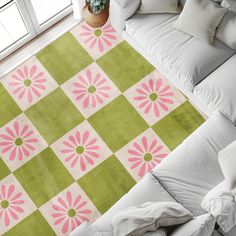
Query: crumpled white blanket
[(148, 217)]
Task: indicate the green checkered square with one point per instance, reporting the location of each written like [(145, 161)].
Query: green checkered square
[(4, 171), (111, 181), (34, 223), (43, 177), (64, 58), (8, 107), (124, 66), (178, 125), (54, 115), (118, 123)]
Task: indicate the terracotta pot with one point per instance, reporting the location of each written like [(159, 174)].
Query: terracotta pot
[(95, 20)]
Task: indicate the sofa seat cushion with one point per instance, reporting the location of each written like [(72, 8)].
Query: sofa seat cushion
[(147, 190), (192, 169), (186, 60), (217, 91)]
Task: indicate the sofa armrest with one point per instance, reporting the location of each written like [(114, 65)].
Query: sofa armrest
[(120, 11)]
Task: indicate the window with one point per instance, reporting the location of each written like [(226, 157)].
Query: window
[(22, 20)]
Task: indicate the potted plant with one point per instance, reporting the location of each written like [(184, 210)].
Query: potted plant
[(96, 13)]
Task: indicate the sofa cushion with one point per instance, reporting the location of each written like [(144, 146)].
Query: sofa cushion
[(217, 91), (192, 169), (148, 189), (200, 18), (187, 60)]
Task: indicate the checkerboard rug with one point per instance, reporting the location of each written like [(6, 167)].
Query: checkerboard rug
[(81, 122)]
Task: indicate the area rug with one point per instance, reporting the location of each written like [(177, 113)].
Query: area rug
[(81, 122)]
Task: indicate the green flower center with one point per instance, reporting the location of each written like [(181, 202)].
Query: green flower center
[(98, 32), (153, 96), (92, 89), (79, 149), (71, 212), (18, 142), (147, 157), (4, 204), (27, 82)]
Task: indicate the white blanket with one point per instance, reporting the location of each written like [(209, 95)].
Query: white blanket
[(148, 217)]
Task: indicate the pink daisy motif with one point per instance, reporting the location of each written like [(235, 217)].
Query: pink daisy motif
[(81, 148), (92, 90), (98, 37), (28, 82), (10, 204), (145, 156), (153, 96), (69, 214), (18, 141)]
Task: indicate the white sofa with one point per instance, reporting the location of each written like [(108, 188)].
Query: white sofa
[(206, 74), (188, 173)]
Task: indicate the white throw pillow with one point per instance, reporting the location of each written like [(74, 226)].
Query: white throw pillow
[(200, 18), (158, 6), (220, 203), (149, 216), (227, 160), (226, 32), (202, 225)]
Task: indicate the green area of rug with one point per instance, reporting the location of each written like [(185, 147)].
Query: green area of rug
[(76, 121)]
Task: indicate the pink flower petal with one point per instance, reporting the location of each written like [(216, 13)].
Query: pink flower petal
[(138, 147), (166, 100), (151, 85), (63, 203), (86, 102), (38, 76), (93, 154), (133, 152), (30, 97), (3, 191), (16, 127), (85, 137), (59, 220), (13, 154), (100, 45), (6, 219), (153, 145), (158, 84), (10, 190), (148, 108), (69, 198), (81, 205), (10, 132), (107, 42), (77, 200), (20, 73), (82, 164), (164, 107), (136, 164), (65, 227), (33, 70), (142, 170), (17, 196), (145, 144), (156, 110), (26, 71)]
